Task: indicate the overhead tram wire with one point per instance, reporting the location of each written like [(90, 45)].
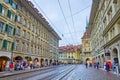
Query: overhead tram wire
[(72, 19), (65, 19), (81, 10), (51, 21)]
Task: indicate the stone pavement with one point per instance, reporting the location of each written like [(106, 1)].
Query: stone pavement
[(83, 73)]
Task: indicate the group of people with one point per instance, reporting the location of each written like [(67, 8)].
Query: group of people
[(21, 66), (90, 64), (108, 65)]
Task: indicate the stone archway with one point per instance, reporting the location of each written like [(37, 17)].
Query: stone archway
[(4, 62), (115, 55), (88, 60), (18, 58), (50, 61), (46, 62), (42, 62)]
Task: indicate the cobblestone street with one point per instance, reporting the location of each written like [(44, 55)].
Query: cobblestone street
[(81, 73), (64, 72)]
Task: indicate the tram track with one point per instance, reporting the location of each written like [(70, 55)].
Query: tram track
[(60, 75), (28, 74)]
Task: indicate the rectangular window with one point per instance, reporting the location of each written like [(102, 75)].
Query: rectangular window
[(28, 35), (14, 5), (16, 45), (19, 18), (1, 26), (31, 50), (2, 11), (24, 23), (18, 31), (11, 17), (23, 33), (33, 28), (10, 31), (27, 48), (1, 7), (9, 14), (5, 42), (19, 7), (28, 26), (23, 46), (7, 1), (12, 46)]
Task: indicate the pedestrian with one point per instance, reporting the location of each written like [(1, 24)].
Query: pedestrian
[(107, 67), (24, 65), (31, 66), (11, 66), (114, 66), (98, 65), (86, 65), (94, 64)]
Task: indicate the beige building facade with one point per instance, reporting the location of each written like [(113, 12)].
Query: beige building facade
[(104, 27), (70, 54), (86, 47), (25, 35)]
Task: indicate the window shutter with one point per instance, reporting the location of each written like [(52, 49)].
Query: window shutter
[(6, 28), (14, 31), (10, 1), (4, 44), (16, 6), (15, 18), (12, 46), (1, 8), (9, 14)]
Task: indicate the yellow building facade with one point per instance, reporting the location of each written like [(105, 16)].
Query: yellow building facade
[(25, 35), (104, 27), (70, 54)]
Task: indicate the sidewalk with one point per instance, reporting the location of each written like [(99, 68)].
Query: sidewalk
[(8, 73), (110, 71)]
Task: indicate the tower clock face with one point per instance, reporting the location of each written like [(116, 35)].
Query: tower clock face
[(87, 43)]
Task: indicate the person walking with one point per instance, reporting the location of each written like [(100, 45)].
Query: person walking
[(98, 65), (86, 65), (107, 67), (11, 66)]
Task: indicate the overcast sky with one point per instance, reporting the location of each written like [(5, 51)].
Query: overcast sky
[(70, 31)]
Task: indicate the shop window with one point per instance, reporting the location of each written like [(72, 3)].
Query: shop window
[(1, 26)]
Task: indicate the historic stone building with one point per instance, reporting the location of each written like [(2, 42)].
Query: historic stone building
[(70, 54), (86, 46), (25, 35), (104, 27)]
